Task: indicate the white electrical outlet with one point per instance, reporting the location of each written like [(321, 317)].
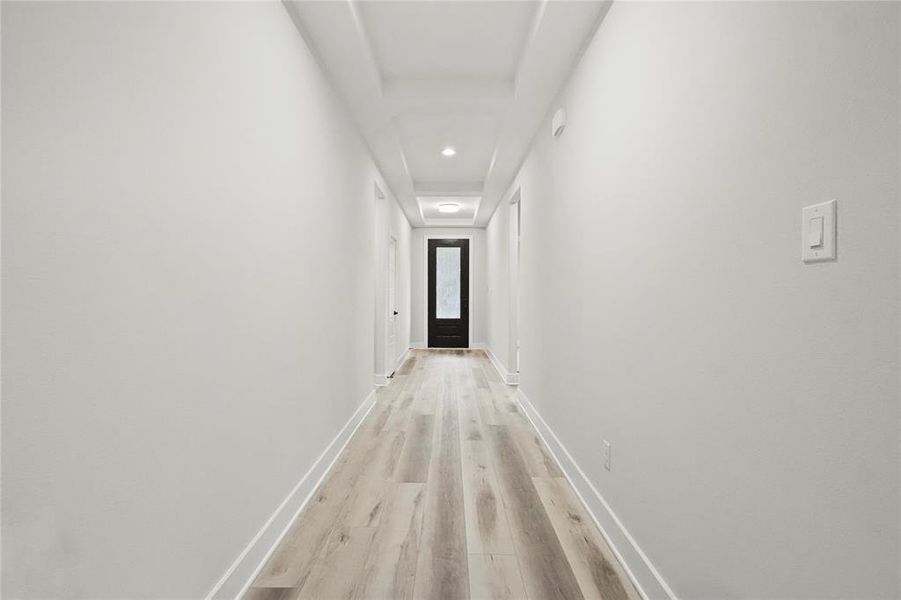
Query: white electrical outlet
[(606, 455)]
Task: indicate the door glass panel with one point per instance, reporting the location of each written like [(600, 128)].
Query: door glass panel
[(447, 283)]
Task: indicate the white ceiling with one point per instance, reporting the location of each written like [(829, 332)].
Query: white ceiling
[(421, 75)]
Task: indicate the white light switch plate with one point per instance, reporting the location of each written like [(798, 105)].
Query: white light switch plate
[(811, 251)]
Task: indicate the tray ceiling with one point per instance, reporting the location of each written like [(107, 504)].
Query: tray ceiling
[(422, 76)]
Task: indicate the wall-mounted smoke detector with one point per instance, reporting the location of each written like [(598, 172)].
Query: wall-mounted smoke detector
[(558, 123)]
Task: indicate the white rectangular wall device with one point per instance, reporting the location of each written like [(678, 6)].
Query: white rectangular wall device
[(818, 229)]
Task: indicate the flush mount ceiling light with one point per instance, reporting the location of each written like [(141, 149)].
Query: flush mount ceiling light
[(448, 151), (448, 207)]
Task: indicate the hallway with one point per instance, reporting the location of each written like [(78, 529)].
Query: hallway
[(444, 492), (445, 299)]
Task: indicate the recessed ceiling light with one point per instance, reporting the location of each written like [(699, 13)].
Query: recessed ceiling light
[(448, 207), (448, 151)]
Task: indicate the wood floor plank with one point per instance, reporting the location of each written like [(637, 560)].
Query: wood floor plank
[(445, 492), (390, 567), (387, 394), (375, 423), (471, 421), (366, 500), (546, 571), (264, 593), (470, 417), (479, 376), (594, 565), (487, 530), (417, 452), (366, 503), (442, 570), (403, 406), (537, 458), (484, 363), (490, 414), (340, 566), (504, 397), (495, 577), (388, 459), (428, 393), (408, 366)]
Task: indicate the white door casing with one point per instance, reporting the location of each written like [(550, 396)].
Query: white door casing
[(515, 224), (391, 305)]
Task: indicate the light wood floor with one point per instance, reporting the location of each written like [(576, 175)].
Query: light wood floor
[(444, 492)]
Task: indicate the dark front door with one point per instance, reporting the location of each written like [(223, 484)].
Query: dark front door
[(448, 293)]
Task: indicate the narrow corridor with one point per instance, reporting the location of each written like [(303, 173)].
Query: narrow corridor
[(445, 491), (443, 299)]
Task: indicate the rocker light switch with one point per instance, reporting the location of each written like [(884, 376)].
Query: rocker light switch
[(818, 232), (815, 239)]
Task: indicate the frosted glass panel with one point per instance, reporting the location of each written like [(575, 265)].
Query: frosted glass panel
[(447, 283)]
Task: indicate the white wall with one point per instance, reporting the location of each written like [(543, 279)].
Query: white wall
[(752, 401), (477, 284), (187, 288)]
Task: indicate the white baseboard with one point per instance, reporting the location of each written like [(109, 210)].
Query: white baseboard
[(506, 376), (425, 346), (242, 572), (647, 579), (401, 360)]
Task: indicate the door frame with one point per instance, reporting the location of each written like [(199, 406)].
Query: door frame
[(379, 296), (425, 280), (514, 287), (390, 361)]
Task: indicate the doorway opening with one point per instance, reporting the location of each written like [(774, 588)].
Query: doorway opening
[(448, 292), (513, 266), (391, 307)]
